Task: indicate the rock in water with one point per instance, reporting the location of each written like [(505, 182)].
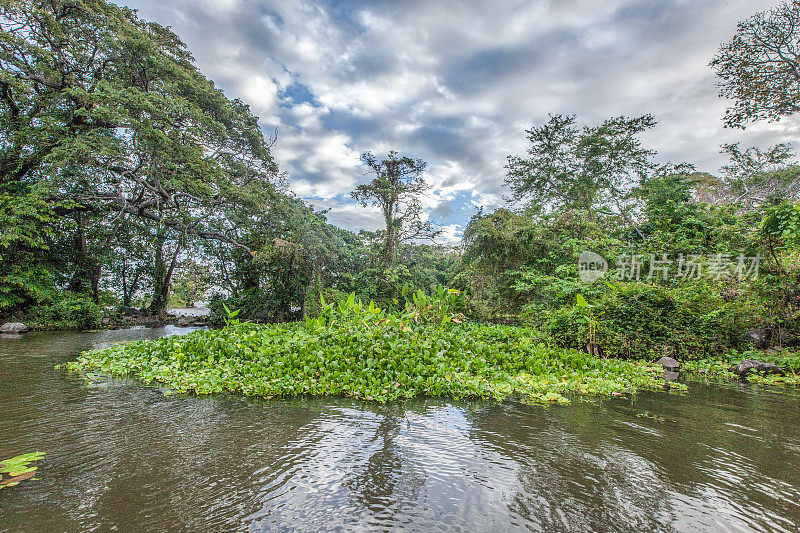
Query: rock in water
[(671, 375), (748, 365), (13, 327), (669, 364)]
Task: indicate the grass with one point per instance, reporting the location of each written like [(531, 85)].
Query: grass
[(360, 351)]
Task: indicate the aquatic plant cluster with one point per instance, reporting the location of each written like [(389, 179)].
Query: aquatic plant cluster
[(18, 469), (718, 369), (358, 350)]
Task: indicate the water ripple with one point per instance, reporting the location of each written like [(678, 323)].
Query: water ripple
[(123, 456)]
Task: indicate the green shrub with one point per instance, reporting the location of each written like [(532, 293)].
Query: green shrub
[(66, 310), (643, 320), (23, 285)]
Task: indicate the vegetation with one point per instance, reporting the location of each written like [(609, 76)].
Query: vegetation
[(128, 179), (718, 368), (18, 469), (589, 169), (362, 351), (110, 132)]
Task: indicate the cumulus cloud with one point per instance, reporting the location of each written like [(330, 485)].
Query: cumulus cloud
[(457, 83), (451, 234)]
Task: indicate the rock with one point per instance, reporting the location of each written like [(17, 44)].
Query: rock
[(131, 311), (105, 322), (185, 321), (671, 368), (13, 327), (758, 337), (748, 366), (669, 364), (671, 375)]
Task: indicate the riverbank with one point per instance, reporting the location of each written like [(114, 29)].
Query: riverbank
[(121, 320), (721, 369)]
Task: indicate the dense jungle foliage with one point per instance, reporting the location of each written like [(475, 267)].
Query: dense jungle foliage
[(128, 180)]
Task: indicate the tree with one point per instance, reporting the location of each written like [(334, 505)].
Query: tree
[(589, 169), (760, 67), (114, 107), (296, 254), (756, 177), (165, 260), (527, 259), (673, 219), (395, 189), (104, 118), (780, 231), (752, 178), (128, 261)]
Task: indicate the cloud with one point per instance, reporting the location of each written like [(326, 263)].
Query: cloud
[(457, 83), (350, 215), (320, 164), (451, 234)]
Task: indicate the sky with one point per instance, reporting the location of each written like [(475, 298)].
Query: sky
[(457, 83)]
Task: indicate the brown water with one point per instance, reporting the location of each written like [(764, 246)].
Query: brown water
[(123, 456)]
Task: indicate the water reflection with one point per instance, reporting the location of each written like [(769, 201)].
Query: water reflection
[(124, 456)]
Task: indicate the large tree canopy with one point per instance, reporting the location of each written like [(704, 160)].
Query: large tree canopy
[(760, 67), (105, 123), (102, 111), (587, 168)]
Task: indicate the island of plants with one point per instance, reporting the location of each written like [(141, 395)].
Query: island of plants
[(358, 350)]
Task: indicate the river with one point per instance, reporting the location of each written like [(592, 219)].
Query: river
[(124, 456)]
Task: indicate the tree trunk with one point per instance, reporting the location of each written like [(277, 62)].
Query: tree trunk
[(162, 278), (390, 243), (86, 278), (129, 289)]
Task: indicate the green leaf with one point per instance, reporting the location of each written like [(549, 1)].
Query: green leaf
[(581, 301)]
